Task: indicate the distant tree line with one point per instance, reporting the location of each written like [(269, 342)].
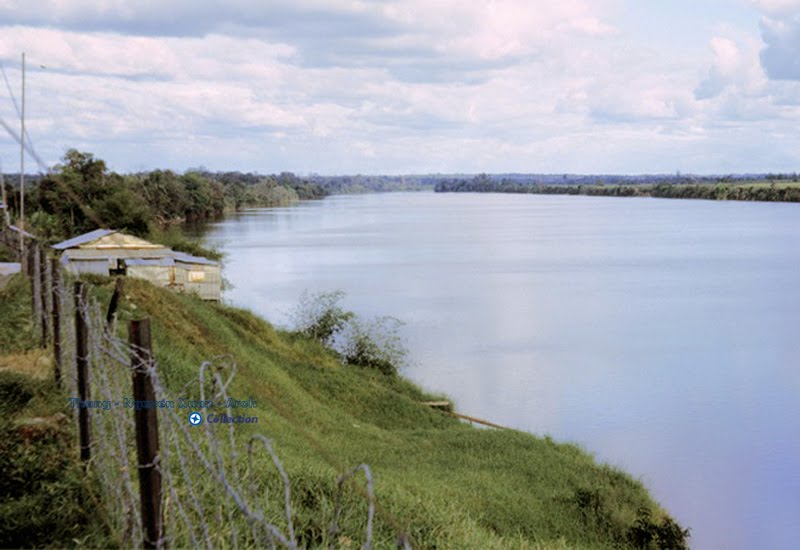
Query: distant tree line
[(81, 194), (716, 188), (343, 185)]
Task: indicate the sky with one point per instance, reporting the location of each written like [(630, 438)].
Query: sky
[(408, 86)]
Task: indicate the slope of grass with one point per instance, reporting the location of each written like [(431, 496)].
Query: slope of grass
[(446, 484)]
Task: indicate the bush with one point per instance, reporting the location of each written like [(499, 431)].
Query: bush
[(374, 344), (320, 317), (664, 535)]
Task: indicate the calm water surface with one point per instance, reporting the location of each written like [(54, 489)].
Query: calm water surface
[(661, 335)]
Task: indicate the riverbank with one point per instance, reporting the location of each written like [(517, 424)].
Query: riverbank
[(750, 191), (444, 483)]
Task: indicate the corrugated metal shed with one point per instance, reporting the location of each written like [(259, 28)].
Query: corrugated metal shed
[(107, 252)]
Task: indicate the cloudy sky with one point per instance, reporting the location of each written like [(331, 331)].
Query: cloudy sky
[(409, 86)]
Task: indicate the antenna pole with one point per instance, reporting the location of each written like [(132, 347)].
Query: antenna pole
[(22, 161), (6, 214)]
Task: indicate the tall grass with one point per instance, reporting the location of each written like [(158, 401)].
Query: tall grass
[(442, 483), (445, 483)]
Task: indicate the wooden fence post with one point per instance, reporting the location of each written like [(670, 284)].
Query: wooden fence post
[(55, 284), (26, 258), (114, 303), (33, 260), (23, 254), (146, 432), (82, 361), (43, 293)]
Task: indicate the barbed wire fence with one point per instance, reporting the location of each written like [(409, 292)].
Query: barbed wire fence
[(202, 486)]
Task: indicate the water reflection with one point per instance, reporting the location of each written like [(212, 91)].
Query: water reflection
[(660, 335)]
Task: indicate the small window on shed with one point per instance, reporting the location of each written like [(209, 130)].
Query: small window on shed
[(197, 276)]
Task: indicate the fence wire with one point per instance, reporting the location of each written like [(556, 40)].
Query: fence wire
[(215, 487)]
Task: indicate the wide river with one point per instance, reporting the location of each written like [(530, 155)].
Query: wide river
[(661, 335)]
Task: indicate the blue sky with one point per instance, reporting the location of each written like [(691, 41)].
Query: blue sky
[(409, 86)]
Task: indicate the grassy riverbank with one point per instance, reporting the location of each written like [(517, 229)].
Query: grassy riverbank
[(447, 484)]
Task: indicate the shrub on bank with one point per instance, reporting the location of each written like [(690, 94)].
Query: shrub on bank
[(374, 343)]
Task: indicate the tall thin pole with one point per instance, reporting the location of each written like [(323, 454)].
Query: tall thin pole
[(6, 214), (43, 293), (22, 161)]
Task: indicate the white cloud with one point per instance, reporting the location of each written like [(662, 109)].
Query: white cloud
[(780, 30), (391, 86), (734, 65), (139, 56), (777, 7), (499, 29)]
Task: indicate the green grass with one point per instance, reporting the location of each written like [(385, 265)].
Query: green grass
[(43, 489), (16, 324), (446, 484)]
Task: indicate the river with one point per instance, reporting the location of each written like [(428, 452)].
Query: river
[(661, 335)]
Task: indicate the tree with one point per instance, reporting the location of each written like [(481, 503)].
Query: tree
[(70, 191)]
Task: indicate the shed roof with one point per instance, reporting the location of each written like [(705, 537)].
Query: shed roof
[(189, 259), (108, 243), (83, 239)]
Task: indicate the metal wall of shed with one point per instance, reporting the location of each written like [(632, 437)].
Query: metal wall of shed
[(208, 289), (80, 261), (97, 266), (158, 275), (117, 253)]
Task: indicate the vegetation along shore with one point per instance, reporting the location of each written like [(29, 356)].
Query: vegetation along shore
[(325, 405), (768, 188)]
